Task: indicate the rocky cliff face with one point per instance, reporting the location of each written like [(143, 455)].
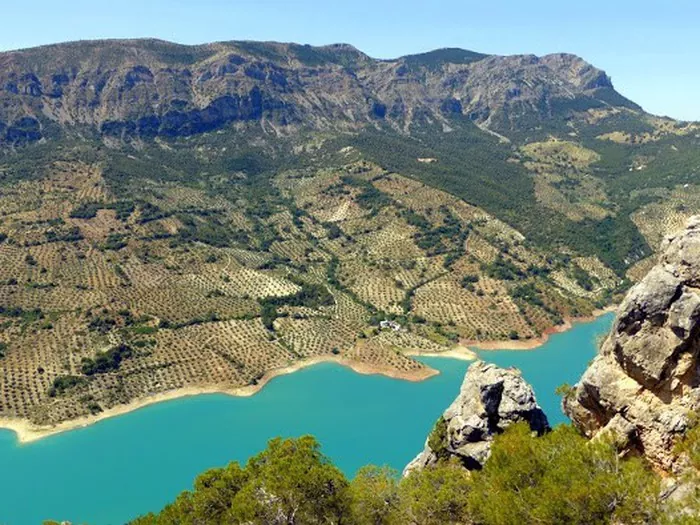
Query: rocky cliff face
[(147, 88), (490, 400), (644, 387)]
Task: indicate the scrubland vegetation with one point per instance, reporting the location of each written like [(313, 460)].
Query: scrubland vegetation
[(554, 479)]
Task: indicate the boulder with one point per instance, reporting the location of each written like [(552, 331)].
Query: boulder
[(490, 400)]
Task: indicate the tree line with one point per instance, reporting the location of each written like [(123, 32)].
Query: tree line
[(554, 479)]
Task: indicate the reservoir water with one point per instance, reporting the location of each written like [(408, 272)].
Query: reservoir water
[(119, 468)]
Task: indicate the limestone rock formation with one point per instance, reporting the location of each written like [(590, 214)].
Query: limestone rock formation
[(490, 399), (148, 88), (644, 387)]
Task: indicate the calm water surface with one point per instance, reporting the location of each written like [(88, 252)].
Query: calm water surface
[(121, 467)]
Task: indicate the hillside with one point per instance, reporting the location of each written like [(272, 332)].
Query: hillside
[(632, 455), (175, 216)]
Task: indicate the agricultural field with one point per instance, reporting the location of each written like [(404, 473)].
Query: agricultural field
[(563, 179), (661, 128), (106, 297), (669, 212)]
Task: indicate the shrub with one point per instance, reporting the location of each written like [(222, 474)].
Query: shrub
[(561, 478), (64, 383), (436, 495), (437, 441), (105, 362), (289, 482)]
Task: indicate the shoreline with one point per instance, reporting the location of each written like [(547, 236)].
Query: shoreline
[(532, 344), (459, 351), (28, 432)]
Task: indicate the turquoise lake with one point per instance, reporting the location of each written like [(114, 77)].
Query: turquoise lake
[(125, 466)]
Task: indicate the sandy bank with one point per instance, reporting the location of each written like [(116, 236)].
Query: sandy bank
[(458, 352), (27, 431)]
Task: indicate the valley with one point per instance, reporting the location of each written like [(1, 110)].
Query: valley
[(203, 217)]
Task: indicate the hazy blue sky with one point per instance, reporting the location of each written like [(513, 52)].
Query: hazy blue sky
[(650, 48)]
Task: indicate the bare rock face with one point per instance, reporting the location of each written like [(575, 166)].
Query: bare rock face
[(645, 384), (491, 399), (148, 88)]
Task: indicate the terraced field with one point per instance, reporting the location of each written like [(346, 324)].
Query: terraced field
[(563, 178), (669, 213), (105, 298)]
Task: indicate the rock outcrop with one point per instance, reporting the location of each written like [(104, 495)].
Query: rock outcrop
[(644, 387), (148, 88), (490, 400)]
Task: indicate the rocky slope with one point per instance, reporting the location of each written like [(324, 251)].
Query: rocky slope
[(645, 384), (490, 400), (149, 88)]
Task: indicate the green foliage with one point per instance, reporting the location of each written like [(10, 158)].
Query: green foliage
[(26, 316), (561, 478), (469, 279), (369, 197), (582, 278), (333, 230), (437, 495), (475, 167), (686, 509), (550, 480), (209, 230), (62, 384), (333, 280), (503, 269), (310, 295), (527, 292), (415, 219), (102, 324), (105, 362), (114, 241), (434, 60), (3, 349), (690, 444), (374, 496), (289, 482), (438, 439), (69, 235), (268, 314), (89, 209), (448, 238), (85, 210)]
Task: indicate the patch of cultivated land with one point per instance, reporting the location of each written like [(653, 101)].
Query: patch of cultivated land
[(107, 300), (563, 178), (669, 213)]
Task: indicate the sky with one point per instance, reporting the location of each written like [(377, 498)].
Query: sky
[(650, 48)]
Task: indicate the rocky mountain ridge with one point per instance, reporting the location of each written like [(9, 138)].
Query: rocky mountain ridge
[(148, 88)]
